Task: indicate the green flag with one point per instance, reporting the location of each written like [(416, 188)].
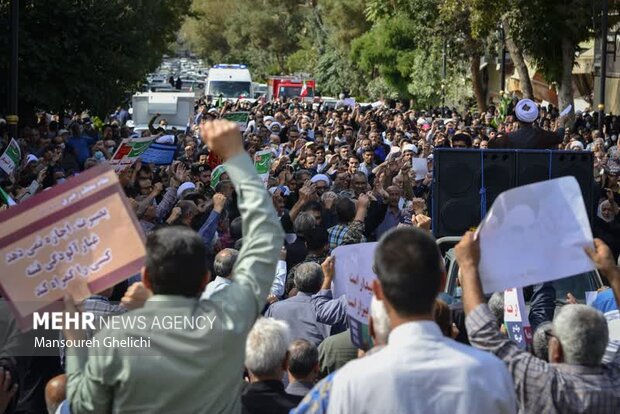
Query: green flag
[(6, 198), (10, 159), (262, 161), (216, 174)]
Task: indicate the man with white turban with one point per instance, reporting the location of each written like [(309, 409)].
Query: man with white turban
[(529, 136)]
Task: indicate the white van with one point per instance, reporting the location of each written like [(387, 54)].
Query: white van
[(229, 81), (175, 107)]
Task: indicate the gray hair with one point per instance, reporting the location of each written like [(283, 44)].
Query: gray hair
[(224, 262), (309, 277), (266, 347), (304, 223), (380, 320), (303, 357), (496, 305), (583, 334), (540, 342)]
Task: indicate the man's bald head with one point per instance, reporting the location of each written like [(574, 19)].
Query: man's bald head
[(55, 392), (224, 263)]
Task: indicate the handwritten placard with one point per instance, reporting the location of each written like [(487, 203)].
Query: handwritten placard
[(81, 228), (354, 278)]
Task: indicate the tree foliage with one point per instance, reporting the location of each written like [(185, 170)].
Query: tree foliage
[(88, 54)]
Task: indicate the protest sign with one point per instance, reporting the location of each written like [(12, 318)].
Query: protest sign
[(533, 234), (159, 154), (241, 118), (216, 174), (420, 167), (350, 102), (128, 152), (262, 162), (515, 318), (10, 158), (83, 227), (354, 277)]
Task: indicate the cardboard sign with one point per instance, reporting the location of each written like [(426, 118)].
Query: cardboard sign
[(159, 154), (128, 152), (533, 234), (83, 227), (354, 277), (241, 118)]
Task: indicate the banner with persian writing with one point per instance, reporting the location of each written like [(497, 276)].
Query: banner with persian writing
[(82, 228)]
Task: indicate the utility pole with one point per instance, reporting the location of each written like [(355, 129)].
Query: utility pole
[(502, 85), (12, 118), (601, 105), (444, 71)]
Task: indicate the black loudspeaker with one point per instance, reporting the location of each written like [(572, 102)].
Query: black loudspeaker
[(535, 166), (458, 182)]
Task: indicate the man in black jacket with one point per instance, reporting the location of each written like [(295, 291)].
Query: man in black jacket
[(266, 359), (529, 136)]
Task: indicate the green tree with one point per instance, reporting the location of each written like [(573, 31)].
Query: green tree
[(88, 54)]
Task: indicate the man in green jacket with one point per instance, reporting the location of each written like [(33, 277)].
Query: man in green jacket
[(192, 369)]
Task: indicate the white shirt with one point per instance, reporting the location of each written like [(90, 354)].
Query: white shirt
[(422, 371), (215, 285), (277, 287)]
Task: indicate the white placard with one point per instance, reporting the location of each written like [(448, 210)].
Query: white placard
[(420, 167), (533, 234), (354, 277)]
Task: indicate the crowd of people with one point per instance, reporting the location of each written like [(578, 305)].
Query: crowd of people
[(258, 260)]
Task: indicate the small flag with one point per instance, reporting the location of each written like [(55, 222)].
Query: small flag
[(216, 174), (6, 198), (10, 158), (304, 90)]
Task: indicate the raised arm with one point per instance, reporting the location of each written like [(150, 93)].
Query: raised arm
[(255, 268), (482, 326), (328, 310)]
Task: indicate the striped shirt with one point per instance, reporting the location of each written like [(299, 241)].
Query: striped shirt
[(543, 387)]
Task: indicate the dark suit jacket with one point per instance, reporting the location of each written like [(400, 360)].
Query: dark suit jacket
[(267, 397), (529, 137)]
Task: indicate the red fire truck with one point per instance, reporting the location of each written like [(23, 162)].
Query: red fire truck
[(290, 87)]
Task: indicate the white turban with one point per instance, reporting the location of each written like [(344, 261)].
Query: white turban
[(320, 177), (186, 186), (576, 144), (527, 111), (410, 147)]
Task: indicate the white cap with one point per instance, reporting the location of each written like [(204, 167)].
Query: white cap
[(30, 158)]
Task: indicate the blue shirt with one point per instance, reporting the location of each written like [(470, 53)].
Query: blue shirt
[(301, 317), (81, 147), (605, 301)]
